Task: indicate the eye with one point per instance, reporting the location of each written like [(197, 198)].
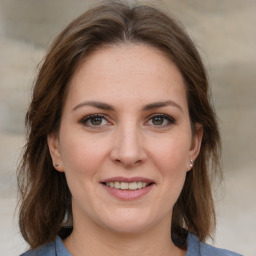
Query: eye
[(95, 120), (161, 120)]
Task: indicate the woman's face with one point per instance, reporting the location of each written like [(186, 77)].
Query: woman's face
[(125, 139)]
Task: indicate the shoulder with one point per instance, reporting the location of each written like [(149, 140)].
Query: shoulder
[(50, 249), (209, 250), (44, 250), (197, 248)]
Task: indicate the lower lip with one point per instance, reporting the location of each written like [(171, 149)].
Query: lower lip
[(126, 194)]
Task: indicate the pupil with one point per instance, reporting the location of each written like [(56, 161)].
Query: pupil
[(158, 120), (96, 121)]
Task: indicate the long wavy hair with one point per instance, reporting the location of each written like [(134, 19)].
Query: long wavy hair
[(45, 199)]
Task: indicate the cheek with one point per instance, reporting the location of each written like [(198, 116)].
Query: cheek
[(171, 154), (170, 158), (82, 161), (81, 156)]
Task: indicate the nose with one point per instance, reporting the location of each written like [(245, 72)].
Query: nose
[(128, 147)]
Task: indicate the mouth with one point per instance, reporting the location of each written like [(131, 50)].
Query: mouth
[(128, 188), (127, 185)]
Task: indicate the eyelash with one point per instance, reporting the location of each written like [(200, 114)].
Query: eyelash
[(85, 119), (168, 118)]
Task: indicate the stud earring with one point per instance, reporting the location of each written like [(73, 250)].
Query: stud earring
[(191, 163), (57, 165)]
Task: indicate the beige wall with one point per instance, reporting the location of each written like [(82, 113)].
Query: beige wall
[(225, 33)]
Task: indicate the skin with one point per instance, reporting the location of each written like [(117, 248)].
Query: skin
[(126, 140)]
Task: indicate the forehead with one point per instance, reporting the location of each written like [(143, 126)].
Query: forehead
[(127, 69), (134, 57)]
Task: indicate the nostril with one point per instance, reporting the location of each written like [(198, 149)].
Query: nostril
[(128, 162)]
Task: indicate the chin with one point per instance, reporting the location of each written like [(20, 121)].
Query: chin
[(127, 228), (129, 222)]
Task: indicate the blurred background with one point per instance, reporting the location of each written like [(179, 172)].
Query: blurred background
[(225, 34)]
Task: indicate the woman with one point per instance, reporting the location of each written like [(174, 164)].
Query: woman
[(121, 137)]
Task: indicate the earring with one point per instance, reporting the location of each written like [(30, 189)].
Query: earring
[(191, 163), (57, 165)]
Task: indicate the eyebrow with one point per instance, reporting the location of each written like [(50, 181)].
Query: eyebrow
[(161, 104), (105, 106), (96, 104)]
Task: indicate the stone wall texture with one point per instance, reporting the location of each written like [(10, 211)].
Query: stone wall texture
[(225, 34)]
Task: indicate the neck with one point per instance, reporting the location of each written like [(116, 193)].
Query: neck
[(100, 241)]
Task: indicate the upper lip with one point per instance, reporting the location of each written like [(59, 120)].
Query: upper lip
[(128, 180)]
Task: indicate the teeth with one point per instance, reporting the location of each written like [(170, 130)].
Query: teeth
[(117, 184), (126, 185), (133, 185)]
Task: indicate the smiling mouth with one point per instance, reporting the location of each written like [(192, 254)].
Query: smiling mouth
[(127, 185)]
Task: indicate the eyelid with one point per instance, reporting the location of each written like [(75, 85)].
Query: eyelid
[(169, 118), (86, 118)]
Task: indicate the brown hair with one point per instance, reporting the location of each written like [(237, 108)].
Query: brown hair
[(45, 199)]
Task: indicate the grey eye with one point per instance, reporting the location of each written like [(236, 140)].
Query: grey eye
[(161, 120), (157, 120), (96, 120)]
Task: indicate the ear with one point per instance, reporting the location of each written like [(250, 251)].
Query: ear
[(54, 148), (195, 144)]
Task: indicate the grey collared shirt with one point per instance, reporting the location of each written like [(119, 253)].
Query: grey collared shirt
[(195, 248)]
